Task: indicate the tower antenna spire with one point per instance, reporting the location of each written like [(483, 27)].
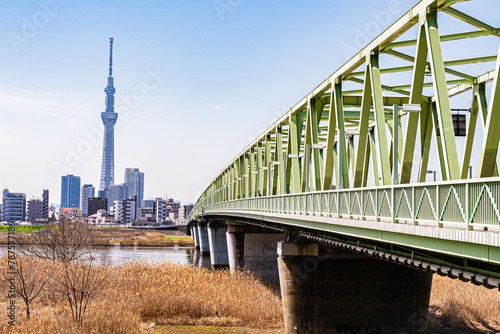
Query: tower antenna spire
[(110, 56)]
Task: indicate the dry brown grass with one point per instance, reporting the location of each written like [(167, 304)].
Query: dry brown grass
[(154, 235), (463, 305), (101, 242), (127, 242), (139, 294)]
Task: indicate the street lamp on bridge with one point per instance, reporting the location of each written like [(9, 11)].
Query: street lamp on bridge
[(429, 171)]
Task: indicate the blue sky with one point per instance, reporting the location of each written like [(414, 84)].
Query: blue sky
[(196, 81)]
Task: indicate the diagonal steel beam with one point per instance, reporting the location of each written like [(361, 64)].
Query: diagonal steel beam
[(491, 137), (443, 102), (406, 57), (363, 130), (330, 146), (294, 134), (470, 20), (341, 152), (444, 38), (378, 106), (415, 98)]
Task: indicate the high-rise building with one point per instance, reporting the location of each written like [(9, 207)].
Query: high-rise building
[(38, 209), (95, 204), (117, 192), (13, 206), (88, 191), (135, 184), (109, 117), (70, 191), (45, 201)]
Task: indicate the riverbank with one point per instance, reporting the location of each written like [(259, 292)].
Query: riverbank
[(160, 297), (124, 237), (136, 296)]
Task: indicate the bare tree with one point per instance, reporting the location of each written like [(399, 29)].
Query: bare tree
[(65, 241), (78, 283), (31, 278)]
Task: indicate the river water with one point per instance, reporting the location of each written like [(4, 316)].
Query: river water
[(113, 255)]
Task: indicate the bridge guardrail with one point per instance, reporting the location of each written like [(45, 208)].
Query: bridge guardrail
[(464, 204)]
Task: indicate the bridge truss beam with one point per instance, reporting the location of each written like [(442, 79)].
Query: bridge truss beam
[(340, 135)]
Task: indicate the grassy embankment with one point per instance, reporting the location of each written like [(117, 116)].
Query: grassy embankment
[(22, 228), (120, 236)]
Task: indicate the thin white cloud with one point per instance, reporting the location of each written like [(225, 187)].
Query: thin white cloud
[(216, 107), (37, 102)]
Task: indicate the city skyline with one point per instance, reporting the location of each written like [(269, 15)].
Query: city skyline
[(188, 75)]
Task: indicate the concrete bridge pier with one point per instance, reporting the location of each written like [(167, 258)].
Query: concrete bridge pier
[(203, 237), (254, 249), (325, 290), (218, 244), (194, 235)]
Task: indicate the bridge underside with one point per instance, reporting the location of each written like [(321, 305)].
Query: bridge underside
[(447, 253), (337, 276)]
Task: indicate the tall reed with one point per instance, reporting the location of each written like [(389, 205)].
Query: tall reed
[(141, 293), (459, 304)]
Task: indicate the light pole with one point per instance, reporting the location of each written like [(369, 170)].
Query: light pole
[(432, 172)]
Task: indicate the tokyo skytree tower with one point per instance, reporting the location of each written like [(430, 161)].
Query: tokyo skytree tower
[(109, 118)]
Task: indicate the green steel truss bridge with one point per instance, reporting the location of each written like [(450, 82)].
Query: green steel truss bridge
[(347, 165)]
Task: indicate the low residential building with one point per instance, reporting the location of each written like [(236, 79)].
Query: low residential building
[(69, 213), (101, 218)]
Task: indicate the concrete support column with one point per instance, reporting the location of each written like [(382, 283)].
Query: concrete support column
[(203, 238), (325, 290), (253, 249), (218, 244), (194, 234)]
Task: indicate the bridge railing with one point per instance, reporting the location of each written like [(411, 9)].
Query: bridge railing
[(463, 204)]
